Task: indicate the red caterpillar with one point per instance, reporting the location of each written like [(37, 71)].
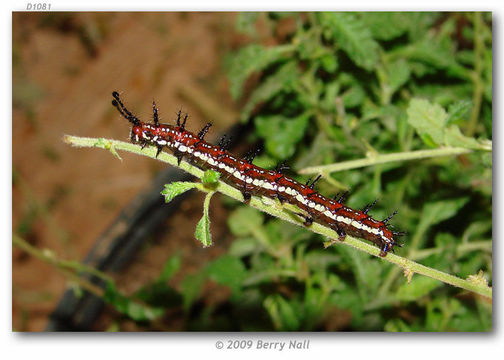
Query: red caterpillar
[(253, 180)]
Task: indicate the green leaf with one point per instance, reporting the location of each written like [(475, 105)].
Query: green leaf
[(190, 288), (386, 25), (432, 51), (176, 188), (458, 110), (130, 308), (250, 59), (244, 220), (284, 79), (418, 287), (351, 35), (399, 74), (281, 134), (202, 232), (438, 211), (454, 137), (428, 120), (227, 270), (282, 313), (243, 247), (171, 266)]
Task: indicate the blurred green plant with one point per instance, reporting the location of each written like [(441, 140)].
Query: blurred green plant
[(374, 88), (377, 90)]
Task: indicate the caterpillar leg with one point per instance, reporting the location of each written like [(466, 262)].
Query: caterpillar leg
[(308, 220), (246, 196)]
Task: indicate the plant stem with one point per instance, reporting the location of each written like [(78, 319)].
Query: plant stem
[(285, 213), (65, 267), (386, 158)]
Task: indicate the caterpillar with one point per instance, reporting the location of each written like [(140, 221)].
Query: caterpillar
[(253, 180)]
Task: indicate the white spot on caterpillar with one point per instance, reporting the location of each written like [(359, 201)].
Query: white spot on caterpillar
[(249, 180), (311, 204), (182, 148), (300, 198), (237, 174), (256, 182), (356, 224), (281, 188), (267, 186)]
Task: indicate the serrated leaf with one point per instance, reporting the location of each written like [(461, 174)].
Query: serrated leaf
[(428, 120), (281, 134), (352, 36), (176, 188), (455, 138), (245, 219), (250, 59), (386, 25), (418, 287), (202, 232)]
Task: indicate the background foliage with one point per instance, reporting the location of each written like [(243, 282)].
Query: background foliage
[(338, 86), (331, 87)]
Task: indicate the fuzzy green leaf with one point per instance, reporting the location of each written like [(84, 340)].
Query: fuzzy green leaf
[(428, 120), (176, 188), (202, 232), (454, 137), (352, 35)]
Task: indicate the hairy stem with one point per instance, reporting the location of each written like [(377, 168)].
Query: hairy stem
[(386, 158), (285, 213)]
